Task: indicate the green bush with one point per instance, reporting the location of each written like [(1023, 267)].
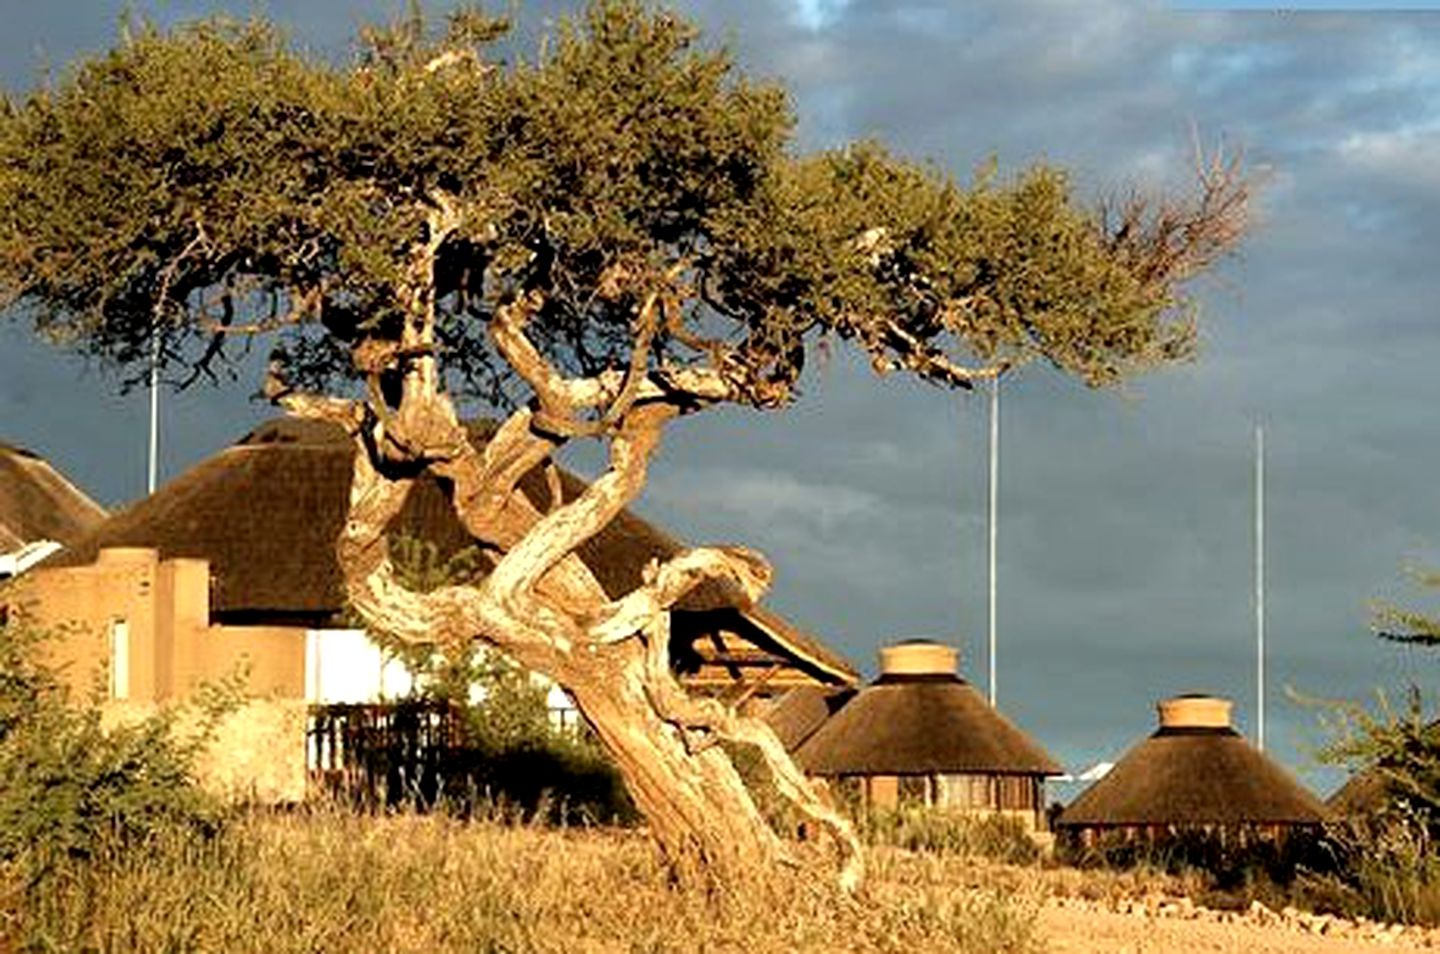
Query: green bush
[(68, 784), (1387, 862)]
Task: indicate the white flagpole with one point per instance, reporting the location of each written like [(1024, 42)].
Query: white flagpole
[(1260, 588), (994, 518), (154, 410)]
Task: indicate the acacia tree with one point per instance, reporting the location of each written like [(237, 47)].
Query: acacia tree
[(599, 239)]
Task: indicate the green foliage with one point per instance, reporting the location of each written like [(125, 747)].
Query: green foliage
[(511, 754), (193, 180), (1397, 750), (1387, 863), (73, 785)]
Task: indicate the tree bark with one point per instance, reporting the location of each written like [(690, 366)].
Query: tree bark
[(695, 804), (540, 604)]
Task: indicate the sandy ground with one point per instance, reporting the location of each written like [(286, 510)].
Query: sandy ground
[(1072, 926)]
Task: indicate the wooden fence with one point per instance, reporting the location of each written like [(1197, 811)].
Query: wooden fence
[(385, 754)]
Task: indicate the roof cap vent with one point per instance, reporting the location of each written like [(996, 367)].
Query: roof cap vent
[(1195, 712), (919, 657)]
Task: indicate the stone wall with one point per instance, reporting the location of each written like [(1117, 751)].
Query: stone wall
[(256, 752)]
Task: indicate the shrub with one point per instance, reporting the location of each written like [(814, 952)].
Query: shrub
[(72, 785), (1386, 861), (1386, 868), (1226, 861)]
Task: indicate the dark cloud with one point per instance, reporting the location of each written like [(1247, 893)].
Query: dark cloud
[(1126, 522)]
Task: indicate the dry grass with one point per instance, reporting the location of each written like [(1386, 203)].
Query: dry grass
[(334, 882)]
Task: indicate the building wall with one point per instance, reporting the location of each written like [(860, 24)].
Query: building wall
[(273, 657), (171, 646), (79, 607), (1019, 797), (254, 754), (136, 631)]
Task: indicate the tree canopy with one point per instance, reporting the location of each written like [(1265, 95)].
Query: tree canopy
[(613, 232), (285, 191)]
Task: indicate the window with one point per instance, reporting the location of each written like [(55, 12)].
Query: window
[(914, 791), (119, 659)]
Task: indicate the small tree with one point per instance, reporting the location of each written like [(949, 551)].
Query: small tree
[(1401, 749), (602, 239)]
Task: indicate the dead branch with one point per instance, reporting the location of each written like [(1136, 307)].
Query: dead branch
[(1169, 240), (743, 574), (930, 362)]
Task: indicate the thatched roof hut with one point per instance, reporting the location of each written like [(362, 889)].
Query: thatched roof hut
[(266, 512), (37, 503), (920, 733), (1194, 771), (798, 713)]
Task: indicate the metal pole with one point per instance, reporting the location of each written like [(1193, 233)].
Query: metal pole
[(154, 408), (1260, 588), (994, 517)]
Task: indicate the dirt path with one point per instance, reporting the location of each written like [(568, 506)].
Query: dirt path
[(1076, 926)]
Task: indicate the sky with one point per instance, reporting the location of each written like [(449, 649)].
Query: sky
[(1126, 518)]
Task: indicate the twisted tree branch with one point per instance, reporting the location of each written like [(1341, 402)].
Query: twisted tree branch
[(704, 722)]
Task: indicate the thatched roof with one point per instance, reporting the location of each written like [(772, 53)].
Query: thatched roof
[(37, 503), (1194, 775), (798, 713), (1363, 793), (912, 721), (1382, 784), (266, 513)]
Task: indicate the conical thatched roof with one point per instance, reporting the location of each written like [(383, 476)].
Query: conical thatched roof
[(1381, 785), (266, 513), (37, 503), (798, 713), (1194, 771), (1363, 793), (920, 719)]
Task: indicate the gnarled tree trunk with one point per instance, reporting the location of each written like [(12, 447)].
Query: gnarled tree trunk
[(695, 804), (540, 605)]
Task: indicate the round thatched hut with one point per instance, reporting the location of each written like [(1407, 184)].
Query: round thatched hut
[(1195, 773), (921, 735)]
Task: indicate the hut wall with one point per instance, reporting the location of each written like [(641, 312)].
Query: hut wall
[(1000, 793), (86, 610), (882, 791), (1236, 835), (1020, 797), (142, 625), (255, 753)]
